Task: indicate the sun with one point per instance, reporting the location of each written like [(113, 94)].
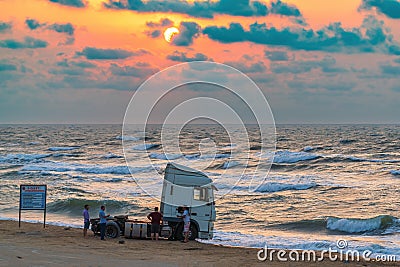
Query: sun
[(169, 33)]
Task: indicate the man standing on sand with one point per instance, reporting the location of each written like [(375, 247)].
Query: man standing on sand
[(155, 218), (186, 223), (103, 222), (86, 220)]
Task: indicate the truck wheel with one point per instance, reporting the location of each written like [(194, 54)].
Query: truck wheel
[(193, 232), (112, 230)]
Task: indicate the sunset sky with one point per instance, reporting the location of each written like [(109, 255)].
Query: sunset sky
[(77, 61)]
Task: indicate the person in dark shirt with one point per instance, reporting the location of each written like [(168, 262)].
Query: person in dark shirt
[(86, 220), (156, 218)]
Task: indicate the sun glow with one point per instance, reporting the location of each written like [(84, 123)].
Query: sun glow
[(170, 33)]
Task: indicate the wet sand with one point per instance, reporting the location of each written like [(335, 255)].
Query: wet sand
[(31, 245)]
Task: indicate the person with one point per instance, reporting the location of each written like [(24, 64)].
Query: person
[(86, 220), (103, 222), (186, 223), (155, 218)]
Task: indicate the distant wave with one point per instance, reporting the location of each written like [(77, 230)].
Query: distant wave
[(83, 168), (165, 156), (360, 225), (63, 148), (347, 141), (143, 147), (277, 187), (127, 138), (395, 172), (207, 156), (353, 158), (74, 206), (13, 158), (286, 156)]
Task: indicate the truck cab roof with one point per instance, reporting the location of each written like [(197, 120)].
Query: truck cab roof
[(185, 176)]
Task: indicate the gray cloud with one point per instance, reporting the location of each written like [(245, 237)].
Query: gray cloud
[(277, 55), (284, 9), (33, 24), (5, 26), (165, 22), (67, 28), (390, 70), (333, 38), (72, 3), (390, 8), (327, 65), (208, 9), (188, 31), (329, 85), (257, 67), (139, 70), (28, 42), (99, 53), (6, 66), (182, 57)]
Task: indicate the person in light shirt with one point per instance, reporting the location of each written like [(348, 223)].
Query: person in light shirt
[(103, 222), (186, 223)]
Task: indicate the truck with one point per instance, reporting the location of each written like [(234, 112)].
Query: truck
[(182, 187)]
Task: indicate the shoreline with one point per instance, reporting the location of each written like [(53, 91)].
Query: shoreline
[(65, 246)]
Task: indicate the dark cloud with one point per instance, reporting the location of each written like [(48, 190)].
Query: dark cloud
[(73, 3), (28, 42), (207, 9), (99, 53), (165, 22), (139, 70), (33, 24), (67, 28), (284, 9), (182, 57), (277, 55), (390, 8), (5, 26), (188, 31), (257, 67), (333, 38)]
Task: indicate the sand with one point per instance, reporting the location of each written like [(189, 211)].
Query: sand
[(31, 245)]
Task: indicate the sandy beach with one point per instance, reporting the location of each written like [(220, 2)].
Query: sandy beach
[(31, 245)]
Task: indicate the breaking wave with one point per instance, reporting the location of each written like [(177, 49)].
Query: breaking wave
[(360, 225), (277, 187)]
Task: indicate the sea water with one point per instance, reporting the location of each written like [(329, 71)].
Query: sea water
[(326, 182)]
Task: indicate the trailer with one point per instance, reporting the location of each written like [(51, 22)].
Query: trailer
[(182, 187)]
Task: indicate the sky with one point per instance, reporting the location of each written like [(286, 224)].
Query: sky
[(80, 61)]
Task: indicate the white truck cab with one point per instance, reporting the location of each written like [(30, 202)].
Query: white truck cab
[(184, 186)]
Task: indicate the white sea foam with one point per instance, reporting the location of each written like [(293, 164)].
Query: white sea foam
[(285, 156), (276, 187), (111, 156), (237, 239), (353, 158), (143, 147), (63, 148)]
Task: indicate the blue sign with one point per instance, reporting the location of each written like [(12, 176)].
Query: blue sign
[(33, 197)]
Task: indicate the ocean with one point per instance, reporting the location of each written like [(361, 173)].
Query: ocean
[(326, 182)]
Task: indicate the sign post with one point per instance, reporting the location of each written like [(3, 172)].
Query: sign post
[(32, 197)]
